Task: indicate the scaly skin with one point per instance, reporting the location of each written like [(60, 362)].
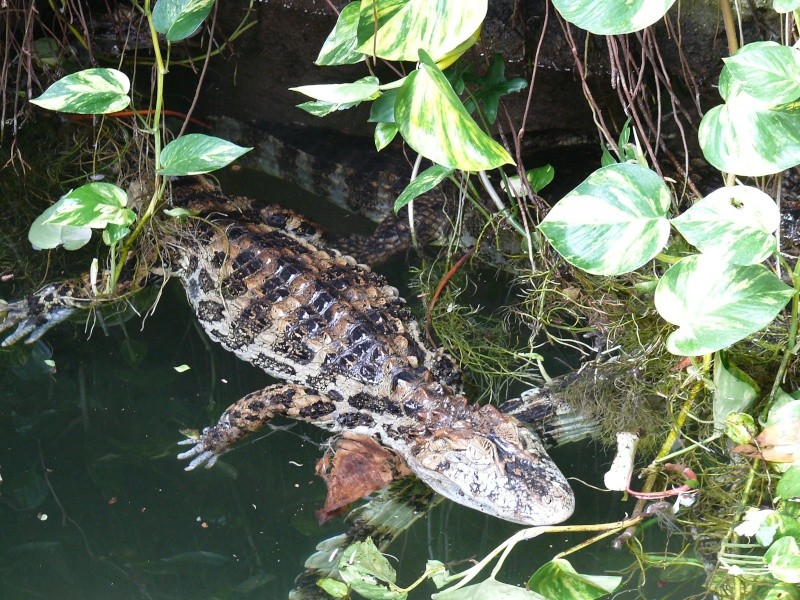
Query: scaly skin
[(265, 286)]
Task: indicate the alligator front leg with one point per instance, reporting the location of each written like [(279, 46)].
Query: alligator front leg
[(251, 413), (41, 311)]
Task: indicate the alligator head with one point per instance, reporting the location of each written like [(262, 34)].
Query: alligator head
[(502, 470)]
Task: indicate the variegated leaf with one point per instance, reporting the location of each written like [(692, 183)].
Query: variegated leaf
[(612, 17), (613, 222), (559, 579), (434, 122), (88, 92), (365, 88), (406, 26), (179, 19), (734, 223), (767, 71), (489, 589), (746, 138), (92, 205), (195, 153), (44, 236), (716, 305), (340, 46)]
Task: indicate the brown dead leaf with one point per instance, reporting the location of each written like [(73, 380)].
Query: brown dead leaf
[(778, 443), (355, 467)]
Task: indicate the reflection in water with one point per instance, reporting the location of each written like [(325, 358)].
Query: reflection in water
[(95, 505)]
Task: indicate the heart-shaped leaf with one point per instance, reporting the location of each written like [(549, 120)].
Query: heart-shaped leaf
[(195, 153), (613, 222), (605, 17), (178, 19), (717, 304), (767, 71), (734, 223), (559, 579), (89, 92)]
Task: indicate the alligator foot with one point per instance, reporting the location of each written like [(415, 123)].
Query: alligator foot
[(38, 313), (202, 456)]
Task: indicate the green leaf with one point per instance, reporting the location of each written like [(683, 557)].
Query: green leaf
[(783, 411), (433, 122), (783, 560), (491, 589), (746, 138), (44, 236), (439, 572), (384, 134), (612, 17), (382, 110), (319, 108), (365, 88), (788, 488), (340, 46), (89, 92), (422, 183), (734, 390), (734, 223), (367, 572), (767, 71), (538, 178), (613, 222), (333, 587), (716, 305), (114, 233), (559, 579), (740, 428), (492, 87), (195, 153), (178, 19), (405, 27), (784, 6), (92, 205)]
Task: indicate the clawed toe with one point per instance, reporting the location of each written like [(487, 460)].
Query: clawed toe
[(202, 456)]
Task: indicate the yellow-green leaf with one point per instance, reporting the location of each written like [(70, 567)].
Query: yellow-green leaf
[(434, 122)]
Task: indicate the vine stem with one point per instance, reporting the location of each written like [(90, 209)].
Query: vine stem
[(665, 450), (790, 341), (528, 534), (154, 130)]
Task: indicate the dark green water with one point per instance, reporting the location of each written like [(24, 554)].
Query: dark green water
[(94, 504)]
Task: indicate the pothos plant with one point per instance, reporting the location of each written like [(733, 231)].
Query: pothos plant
[(103, 206), (615, 222)]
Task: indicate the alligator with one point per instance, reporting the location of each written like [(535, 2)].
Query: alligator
[(266, 286)]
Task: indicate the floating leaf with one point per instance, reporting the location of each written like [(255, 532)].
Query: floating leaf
[(490, 589), (405, 27), (368, 573), (334, 587), (182, 368), (735, 223), (89, 92), (196, 153), (559, 579), (605, 17), (340, 46), (716, 305), (434, 122), (422, 183), (613, 222), (178, 19)]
